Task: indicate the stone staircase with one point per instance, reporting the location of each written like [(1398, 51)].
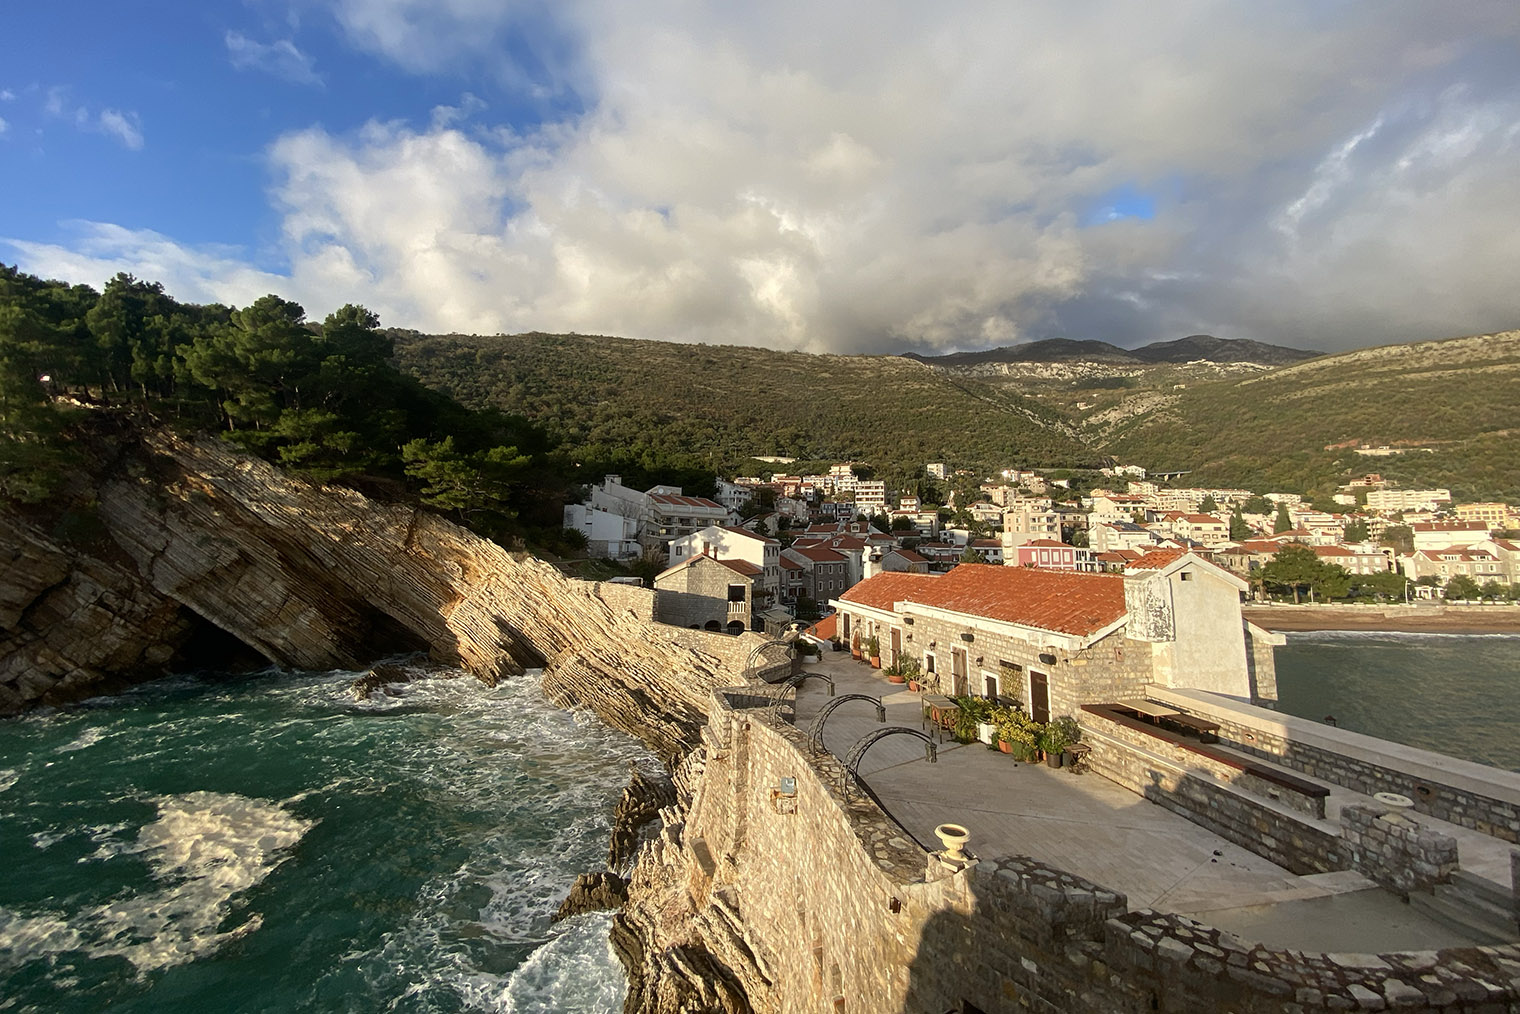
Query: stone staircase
[(1474, 906)]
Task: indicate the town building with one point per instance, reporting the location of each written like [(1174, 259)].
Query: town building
[(871, 497), (1050, 554), (609, 536), (826, 572), (1057, 640), (760, 551), (703, 592), (1493, 516), (1439, 534), (1390, 501)]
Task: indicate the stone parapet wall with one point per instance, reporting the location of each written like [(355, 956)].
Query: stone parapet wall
[(1470, 795), (1395, 851), (1288, 839), (1181, 757), (817, 901)]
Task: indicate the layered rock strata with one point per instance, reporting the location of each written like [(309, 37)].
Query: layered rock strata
[(323, 577)]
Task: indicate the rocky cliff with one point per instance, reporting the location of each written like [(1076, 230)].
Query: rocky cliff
[(191, 533), (192, 543)]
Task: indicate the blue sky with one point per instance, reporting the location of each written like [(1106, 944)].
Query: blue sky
[(835, 177)]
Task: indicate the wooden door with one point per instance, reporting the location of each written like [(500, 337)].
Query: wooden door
[(896, 646), (1039, 696), (958, 672)]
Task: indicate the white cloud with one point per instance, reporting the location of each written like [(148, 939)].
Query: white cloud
[(3, 126), (869, 176), (280, 58), (125, 127), (195, 274), (6, 95), (122, 126)]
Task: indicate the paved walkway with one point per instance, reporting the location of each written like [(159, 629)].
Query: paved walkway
[(1092, 827)]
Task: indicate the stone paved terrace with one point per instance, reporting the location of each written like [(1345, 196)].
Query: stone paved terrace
[(1096, 829)]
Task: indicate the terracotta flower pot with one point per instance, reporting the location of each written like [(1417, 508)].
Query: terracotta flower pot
[(896, 679), (875, 661), (1005, 746), (914, 685)]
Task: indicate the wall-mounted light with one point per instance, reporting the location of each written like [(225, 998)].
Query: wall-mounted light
[(908, 620), (1047, 658), (968, 637), (978, 660)]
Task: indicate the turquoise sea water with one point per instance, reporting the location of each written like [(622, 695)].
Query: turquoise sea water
[(1457, 694), (270, 843)]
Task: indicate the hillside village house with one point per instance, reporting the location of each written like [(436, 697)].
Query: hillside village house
[(1493, 516), (1440, 534), (825, 572), (1057, 640), (759, 551), (1051, 555), (1107, 536), (1029, 524), (662, 512), (703, 592)]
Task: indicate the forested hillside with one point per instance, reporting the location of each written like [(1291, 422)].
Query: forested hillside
[(322, 400), (622, 405), (1450, 405)]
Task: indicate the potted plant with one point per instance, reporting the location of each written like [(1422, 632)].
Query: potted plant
[(1056, 737), (809, 651), (1017, 735), (873, 648), (910, 669), (893, 673), (855, 648)]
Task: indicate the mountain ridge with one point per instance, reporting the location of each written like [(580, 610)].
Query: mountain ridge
[(1192, 348)]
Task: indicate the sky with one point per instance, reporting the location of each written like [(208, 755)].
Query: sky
[(833, 177)]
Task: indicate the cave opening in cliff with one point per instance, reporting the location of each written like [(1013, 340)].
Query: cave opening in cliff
[(210, 647)]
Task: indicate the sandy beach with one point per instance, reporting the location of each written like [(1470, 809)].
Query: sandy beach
[(1419, 619)]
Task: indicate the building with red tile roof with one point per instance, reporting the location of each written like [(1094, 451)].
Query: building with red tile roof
[(1059, 639)]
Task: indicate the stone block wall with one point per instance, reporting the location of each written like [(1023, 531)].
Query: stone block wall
[(1288, 839), (1395, 851), (1112, 669), (1181, 756), (818, 901), (634, 600), (1270, 735)]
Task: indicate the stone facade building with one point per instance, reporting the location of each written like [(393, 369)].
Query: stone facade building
[(1057, 640), (706, 593)]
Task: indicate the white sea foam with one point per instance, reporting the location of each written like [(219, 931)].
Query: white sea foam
[(8, 777), (577, 970), (206, 848), (85, 739)]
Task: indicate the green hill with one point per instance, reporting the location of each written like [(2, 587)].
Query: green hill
[(1450, 406), (621, 404)]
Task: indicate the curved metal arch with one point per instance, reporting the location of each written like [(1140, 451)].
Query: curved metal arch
[(870, 739), (815, 731), (794, 684), (790, 644)]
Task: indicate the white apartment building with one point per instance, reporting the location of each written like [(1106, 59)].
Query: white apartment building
[(871, 497), (1387, 501), (936, 470)]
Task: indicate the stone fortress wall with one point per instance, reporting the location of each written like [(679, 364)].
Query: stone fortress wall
[(805, 896)]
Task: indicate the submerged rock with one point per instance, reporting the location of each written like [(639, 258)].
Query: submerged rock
[(593, 892)]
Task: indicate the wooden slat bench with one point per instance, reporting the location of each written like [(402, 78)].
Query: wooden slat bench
[(1192, 725)]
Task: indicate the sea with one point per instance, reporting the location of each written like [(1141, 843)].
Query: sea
[(271, 842), (1457, 694)]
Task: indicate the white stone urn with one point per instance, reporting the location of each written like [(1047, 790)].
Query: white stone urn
[(954, 837), (987, 732)]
